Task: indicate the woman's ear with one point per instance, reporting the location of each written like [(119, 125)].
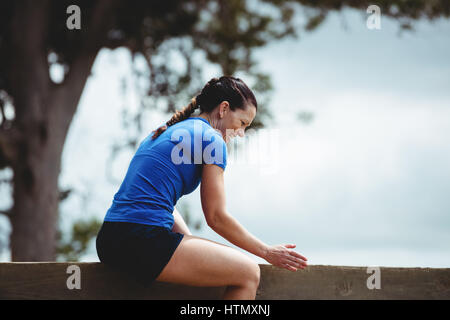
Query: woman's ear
[(223, 108)]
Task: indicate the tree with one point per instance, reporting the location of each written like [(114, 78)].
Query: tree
[(36, 111)]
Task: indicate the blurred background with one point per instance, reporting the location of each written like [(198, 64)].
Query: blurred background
[(350, 156)]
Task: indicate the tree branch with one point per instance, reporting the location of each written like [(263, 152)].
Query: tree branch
[(8, 145), (117, 43), (101, 21), (6, 213), (5, 181), (2, 112)]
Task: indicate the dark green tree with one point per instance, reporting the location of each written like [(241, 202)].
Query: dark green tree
[(36, 111), (74, 246)]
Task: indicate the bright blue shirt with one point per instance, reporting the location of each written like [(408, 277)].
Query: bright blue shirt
[(164, 169)]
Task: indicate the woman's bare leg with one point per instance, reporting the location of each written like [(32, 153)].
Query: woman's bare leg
[(201, 262)]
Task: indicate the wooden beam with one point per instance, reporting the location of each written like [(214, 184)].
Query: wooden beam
[(49, 281)]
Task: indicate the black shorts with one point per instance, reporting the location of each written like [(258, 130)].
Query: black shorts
[(141, 251)]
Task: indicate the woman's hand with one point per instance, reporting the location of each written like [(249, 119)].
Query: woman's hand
[(282, 256)]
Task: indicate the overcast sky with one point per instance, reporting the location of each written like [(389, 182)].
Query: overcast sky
[(365, 183)]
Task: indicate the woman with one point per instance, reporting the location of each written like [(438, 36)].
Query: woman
[(144, 235)]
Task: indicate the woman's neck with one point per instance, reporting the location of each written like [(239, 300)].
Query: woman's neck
[(206, 117), (212, 122)]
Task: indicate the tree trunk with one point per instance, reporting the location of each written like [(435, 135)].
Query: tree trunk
[(43, 113), (33, 215), (35, 195)]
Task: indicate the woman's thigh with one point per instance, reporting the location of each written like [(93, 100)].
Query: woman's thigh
[(202, 262)]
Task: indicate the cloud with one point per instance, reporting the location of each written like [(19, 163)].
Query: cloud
[(373, 173)]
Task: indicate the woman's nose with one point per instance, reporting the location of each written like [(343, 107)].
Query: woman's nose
[(241, 133)]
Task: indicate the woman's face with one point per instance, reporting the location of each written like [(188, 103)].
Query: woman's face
[(232, 123)]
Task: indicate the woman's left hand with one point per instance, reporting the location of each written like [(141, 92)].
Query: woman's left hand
[(284, 257)]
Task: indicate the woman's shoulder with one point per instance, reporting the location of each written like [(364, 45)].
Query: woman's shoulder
[(196, 126)]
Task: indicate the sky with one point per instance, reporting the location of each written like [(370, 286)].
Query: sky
[(365, 183)]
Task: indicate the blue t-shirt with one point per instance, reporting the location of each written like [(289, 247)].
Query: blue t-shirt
[(164, 169)]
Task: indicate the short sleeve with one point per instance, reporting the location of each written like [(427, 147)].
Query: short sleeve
[(215, 149)]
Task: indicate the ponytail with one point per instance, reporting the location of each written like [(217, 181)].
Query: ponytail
[(177, 117)]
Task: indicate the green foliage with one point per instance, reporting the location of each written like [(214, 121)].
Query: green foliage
[(306, 117), (186, 213), (81, 235), (226, 32)]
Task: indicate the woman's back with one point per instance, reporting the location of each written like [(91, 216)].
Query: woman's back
[(164, 169)]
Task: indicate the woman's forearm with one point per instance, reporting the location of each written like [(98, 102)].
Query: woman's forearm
[(229, 228)]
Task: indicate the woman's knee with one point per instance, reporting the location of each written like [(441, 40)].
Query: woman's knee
[(251, 274), (257, 274)]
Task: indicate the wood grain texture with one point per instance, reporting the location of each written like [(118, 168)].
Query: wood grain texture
[(45, 281)]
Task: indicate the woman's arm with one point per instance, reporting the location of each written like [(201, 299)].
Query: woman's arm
[(179, 225), (213, 203)]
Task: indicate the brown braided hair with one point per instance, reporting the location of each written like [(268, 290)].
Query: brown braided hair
[(225, 88), (177, 117)]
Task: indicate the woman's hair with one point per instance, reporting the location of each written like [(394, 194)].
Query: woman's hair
[(225, 88)]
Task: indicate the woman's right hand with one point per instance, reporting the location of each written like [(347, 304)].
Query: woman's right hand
[(282, 256)]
